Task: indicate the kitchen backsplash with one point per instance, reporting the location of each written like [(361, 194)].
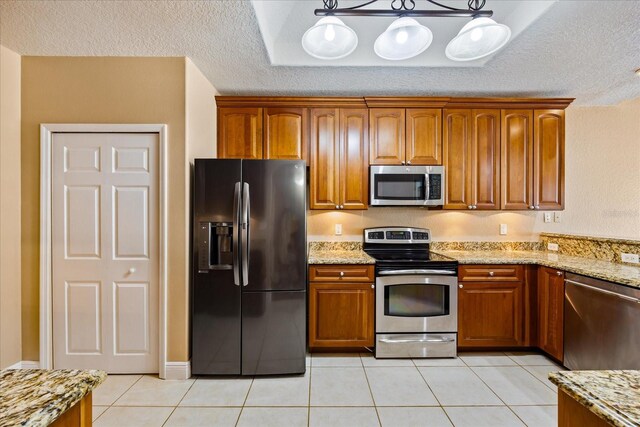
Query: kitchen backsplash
[(486, 246), (604, 248)]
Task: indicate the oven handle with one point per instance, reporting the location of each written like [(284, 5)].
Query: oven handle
[(401, 272), (405, 340)]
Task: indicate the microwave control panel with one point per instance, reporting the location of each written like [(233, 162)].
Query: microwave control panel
[(435, 187)]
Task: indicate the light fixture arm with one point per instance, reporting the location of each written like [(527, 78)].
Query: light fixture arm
[(406, 8)]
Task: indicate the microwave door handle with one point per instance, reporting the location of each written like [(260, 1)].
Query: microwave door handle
[(426, 186), (236, 235)]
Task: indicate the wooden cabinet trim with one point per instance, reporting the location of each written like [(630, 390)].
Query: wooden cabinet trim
[(243, 140), (291, 101), (332, 273), (281, 132)]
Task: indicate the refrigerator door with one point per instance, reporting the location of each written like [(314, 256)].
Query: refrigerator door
[(274, 198), (216, 298), (273, 333)]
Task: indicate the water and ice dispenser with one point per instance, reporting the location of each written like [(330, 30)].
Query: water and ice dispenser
[(215, 246)]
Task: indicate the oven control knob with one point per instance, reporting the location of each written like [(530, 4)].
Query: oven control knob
[(342, 274), (491, 273), (461, 286)]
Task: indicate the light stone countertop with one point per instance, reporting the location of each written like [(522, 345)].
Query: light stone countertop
[(37, 397), (339, 257), (599, 269), (612, 395)]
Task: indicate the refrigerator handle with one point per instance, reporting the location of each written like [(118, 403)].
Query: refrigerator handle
[(236, 235), (246, 213)]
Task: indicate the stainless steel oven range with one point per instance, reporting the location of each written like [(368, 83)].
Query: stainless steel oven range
[(416, 294)]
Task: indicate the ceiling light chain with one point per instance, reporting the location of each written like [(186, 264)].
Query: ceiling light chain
[(405, 38)]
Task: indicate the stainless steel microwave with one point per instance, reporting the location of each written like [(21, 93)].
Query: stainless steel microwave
[(406, 186)]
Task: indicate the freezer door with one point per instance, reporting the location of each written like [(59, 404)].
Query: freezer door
[(215, 297), (273, 333), (275, 202)]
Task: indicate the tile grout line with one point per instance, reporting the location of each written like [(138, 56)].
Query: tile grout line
[(309, 401), (116, 399), (179, 402), (253, 378), (446, 414), (366, 377)]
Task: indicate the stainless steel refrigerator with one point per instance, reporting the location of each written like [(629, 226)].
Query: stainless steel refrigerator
[(248, 295)]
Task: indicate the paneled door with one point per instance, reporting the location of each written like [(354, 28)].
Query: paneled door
[(105, 246)]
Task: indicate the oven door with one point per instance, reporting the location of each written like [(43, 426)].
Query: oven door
[(416, 304), (406, 185)]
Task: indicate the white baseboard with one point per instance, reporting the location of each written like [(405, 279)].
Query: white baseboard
[(25, 364), (177, 370)]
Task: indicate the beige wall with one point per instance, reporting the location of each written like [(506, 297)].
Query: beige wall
[(602, 190), (10, 287), (105, 90)]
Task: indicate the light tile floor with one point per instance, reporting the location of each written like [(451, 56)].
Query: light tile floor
[(477, 389)]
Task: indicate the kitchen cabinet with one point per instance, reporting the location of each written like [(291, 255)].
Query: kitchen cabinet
[(491, 306), (409, 136), (517, 162), (548, 159), (551, 311), (339, 173), (471, 153), (240, 133), (341, 306), (257, 133)]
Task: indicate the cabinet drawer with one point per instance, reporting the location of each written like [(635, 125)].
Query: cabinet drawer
[(491, 273), (341, 273)]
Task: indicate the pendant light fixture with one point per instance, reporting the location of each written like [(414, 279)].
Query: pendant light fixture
[(479, 38), (329, 38), (404, 39)]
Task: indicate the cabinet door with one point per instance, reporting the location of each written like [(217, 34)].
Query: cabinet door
[(386, 129), (354, 158), (424, 138), (285, 133), (551, 311), (548, 159), (240, 133), (490, 314), (324, 159), (457, 159), (517, 161), (485, 156), (341, 315)]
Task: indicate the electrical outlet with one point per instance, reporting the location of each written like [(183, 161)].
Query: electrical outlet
[(503, 229), (557, 217), (552, 246), (338, 229), (631, 258), (547, 217)]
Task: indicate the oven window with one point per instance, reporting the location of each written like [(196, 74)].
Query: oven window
[(399, 187), (420, 300)]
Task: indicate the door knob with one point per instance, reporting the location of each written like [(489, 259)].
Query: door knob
[(131, 270)]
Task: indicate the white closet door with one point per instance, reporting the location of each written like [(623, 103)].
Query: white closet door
[(105, 227)]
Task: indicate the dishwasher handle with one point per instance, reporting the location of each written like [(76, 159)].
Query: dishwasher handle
[(604, 291)]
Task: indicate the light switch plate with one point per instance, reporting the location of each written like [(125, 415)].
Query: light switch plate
[(557, 217), (552, 246), (503, 229), (631, 258), (338, 229)]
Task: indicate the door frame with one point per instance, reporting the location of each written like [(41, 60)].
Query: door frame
[(47, 130)]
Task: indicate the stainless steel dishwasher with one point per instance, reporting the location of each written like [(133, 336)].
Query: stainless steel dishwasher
[(601, 324)]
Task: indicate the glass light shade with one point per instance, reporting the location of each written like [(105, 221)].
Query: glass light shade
[(403, 39), (479, 38), (329, 38)]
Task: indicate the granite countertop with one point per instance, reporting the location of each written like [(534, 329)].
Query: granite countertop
[(599, 269), (37, 397), (612, 395), (339, 257)]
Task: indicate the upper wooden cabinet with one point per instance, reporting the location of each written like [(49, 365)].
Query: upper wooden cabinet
[(338, 160), (517, 159), (240, 133), (269, 133), (405, 136), (548, 159), (471, 153), (551, 311)]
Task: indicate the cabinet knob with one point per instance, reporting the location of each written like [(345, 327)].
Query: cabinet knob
[(559, 273), (475, 207), (491, 273), (341, 206), (461, 286), (342, 274), (409, 162), (537, 207), (470, 207), (373, 286), (131, 270), (337, 206), (531, 207)]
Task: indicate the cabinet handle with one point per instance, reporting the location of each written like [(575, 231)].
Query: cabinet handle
[(491, 273), (342, 274), (461, 286)]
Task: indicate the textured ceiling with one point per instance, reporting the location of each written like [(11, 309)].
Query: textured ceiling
[(583, 49)]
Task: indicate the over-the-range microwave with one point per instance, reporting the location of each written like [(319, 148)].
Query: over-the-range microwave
[(406, 186)]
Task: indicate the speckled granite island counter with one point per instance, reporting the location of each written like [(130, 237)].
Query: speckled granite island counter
[(36, 397), (338, 253), (613, 396)]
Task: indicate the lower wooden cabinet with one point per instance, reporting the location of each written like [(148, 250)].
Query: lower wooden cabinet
[(341, 313), (551, 312)]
